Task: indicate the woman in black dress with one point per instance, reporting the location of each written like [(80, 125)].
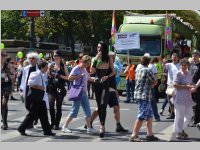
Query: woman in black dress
[(101, 64)]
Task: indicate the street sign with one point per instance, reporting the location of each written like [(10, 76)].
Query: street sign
[(42, 13), (34, 13), (24, 13)]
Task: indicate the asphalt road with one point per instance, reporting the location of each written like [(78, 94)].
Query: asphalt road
[(162, 129)]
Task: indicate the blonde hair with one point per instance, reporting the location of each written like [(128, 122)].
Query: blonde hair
[(86, 58)]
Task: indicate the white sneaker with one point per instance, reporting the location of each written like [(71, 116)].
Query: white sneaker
[(91, 130), (66, 130)]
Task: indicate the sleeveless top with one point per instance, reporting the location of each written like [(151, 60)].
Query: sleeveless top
[(6, 82), (54, 82)]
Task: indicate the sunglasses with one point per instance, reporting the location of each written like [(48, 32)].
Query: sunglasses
[(12, 62), (32, 58)]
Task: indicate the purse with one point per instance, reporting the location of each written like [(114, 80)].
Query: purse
[(75, 92), (170, 90)]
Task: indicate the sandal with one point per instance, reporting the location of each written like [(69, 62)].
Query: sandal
[(101, 132), (135, 138), (184, 134), (152, 138), (180, 136)]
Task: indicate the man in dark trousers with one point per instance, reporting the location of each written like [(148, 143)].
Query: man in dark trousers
[(32, 67), (36, 95), (195, 72)]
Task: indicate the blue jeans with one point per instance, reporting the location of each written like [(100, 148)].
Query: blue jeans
[(154, 104), (85, 105), (130, 87), (165, 102)]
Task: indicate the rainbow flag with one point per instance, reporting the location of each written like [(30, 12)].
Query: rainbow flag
[(168, 33), (113, 28)]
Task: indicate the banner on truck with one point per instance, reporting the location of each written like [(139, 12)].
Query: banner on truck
[(125, 41)]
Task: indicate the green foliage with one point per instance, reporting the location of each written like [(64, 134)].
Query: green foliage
[(85, 26)]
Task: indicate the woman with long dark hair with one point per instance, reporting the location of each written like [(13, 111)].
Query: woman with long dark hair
[(101, 67), (6, 87), (57, 75)]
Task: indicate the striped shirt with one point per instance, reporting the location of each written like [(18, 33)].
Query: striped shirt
[(144, 78)]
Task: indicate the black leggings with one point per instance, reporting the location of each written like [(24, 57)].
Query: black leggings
[(4, 105), (102, 99), (55, 116)]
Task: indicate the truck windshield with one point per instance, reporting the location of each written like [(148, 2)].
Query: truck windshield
[(148, 44)]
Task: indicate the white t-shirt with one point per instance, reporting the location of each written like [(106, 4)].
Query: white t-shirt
[(153, 69), (172, 71)]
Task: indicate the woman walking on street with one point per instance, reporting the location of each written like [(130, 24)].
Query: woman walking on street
[(101, 65), (183, 100), (80, 76), (57, 75), (6, 88)]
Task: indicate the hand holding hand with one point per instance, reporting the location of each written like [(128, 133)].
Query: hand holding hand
[(104, 78)]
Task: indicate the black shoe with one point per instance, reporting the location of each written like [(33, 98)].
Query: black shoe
[(126, 101), (85, 126), (101, 133), (51, 126), (121, 129), (30, 127), (56, 127), (12, 98), (152, 138), (22, 132), (198, 126), (171, 117), (4, 127), (49, 133)]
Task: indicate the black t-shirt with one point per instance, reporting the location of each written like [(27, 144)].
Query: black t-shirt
[(55, 81)]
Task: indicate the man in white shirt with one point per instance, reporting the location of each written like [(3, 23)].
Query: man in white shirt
[(172, 69), (37, 97)]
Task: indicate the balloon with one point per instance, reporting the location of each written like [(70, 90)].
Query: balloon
[(41, 55), (20, 55), (2, 46)]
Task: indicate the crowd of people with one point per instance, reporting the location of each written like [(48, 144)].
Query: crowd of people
[(41, 84)]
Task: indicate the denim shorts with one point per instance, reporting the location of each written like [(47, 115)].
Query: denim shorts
[(144, 109)]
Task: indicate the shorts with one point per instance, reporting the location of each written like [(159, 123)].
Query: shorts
[(144, 110), (113, 100)]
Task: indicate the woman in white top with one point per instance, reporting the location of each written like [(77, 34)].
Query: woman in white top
[(183, 100)]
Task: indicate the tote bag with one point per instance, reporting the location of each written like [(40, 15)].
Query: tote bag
[(75, 92)]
